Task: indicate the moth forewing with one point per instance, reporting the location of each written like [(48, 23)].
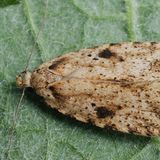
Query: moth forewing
[(112, 86)]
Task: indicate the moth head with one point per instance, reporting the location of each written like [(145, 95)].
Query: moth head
[(23, 79)]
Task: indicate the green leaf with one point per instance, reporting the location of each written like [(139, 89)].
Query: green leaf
[(50, 28), (156, 142), (4, 3)]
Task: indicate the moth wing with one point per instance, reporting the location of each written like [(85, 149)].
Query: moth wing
[(126, 107), (114, 85), (127, 61)]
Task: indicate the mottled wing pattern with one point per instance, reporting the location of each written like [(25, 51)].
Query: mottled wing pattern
[(112, 86)]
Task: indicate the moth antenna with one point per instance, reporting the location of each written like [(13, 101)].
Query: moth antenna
[(23, 81)]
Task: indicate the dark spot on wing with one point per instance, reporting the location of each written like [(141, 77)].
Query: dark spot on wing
[(132, 130), (106, 54), (155, 66), (114, 44), (54, 92), (89, 120), (95, 58), (108, 127), (152, 43), (103, 112), (37, 70), (56, 63), (121, 59), (51, 88), (93, 104), (137, 42)]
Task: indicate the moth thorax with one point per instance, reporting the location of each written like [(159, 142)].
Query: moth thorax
[(23, 80)]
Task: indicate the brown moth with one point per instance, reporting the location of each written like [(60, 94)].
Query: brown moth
[(113, 86)]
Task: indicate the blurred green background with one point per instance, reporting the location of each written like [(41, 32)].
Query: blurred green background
[(33, 131)]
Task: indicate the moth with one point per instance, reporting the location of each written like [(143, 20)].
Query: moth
[(115, 86)]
